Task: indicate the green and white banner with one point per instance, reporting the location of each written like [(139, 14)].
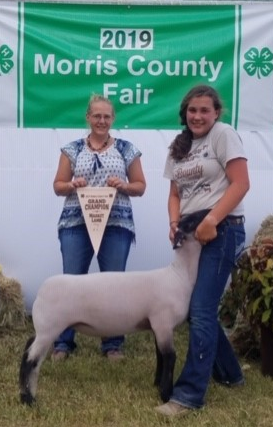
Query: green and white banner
[(143, 58)]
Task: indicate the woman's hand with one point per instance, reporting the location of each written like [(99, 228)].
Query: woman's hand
[(136, 184), (64, 184), (78, 182), (117, 183), (65, 188)]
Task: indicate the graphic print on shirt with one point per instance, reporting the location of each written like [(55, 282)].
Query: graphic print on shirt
[(190, 173)]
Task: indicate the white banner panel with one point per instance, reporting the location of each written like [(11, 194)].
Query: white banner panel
[(9, 27), (256, 100)]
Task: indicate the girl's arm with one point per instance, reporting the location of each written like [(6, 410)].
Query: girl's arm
[(237, 174)]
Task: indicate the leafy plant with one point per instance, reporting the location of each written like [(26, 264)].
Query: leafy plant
[(251, 289), (253, 281)]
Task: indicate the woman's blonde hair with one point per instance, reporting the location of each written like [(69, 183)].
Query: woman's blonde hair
[(99, 98)]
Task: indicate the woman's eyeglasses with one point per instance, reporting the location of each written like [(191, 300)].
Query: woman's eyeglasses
[(98, 117)]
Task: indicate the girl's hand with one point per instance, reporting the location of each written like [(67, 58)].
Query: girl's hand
[(206, 230), (172, 231)]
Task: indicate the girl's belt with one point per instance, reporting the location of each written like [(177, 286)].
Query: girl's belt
[(233, 220)]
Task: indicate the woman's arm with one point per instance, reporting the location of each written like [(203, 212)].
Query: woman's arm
[(63, 184), (136, 184)]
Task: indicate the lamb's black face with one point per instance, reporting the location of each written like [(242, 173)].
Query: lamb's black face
[(179, 237), (188, 224)]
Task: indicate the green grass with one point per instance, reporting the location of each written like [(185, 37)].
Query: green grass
[(87, 390)]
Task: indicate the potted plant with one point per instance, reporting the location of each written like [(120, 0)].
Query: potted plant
[(250, 294)]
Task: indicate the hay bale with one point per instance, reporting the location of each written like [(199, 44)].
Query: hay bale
[(12, 308)]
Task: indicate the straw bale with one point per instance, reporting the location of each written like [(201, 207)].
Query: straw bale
[(12, 307)]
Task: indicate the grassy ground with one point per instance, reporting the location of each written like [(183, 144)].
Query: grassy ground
[(89, 391)]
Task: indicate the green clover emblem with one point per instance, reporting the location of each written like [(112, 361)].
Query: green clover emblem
[(6, 63), (258, 62)]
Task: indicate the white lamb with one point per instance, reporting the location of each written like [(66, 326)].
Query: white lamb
[(117, 303)]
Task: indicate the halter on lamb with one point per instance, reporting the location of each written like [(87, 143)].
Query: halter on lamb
[(117, 303)]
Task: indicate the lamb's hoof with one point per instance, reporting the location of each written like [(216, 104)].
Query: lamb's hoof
[(165, 395), (27, 399)]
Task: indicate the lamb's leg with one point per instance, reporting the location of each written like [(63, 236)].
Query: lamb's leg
[(166, 385), (159, 366), (166, 358), (25, 375), (32, 359)]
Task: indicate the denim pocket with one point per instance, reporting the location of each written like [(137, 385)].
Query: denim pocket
[(231, 242), (239, 243), (236, 237)]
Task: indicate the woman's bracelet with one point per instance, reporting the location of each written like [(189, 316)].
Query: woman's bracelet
[(173, 222)]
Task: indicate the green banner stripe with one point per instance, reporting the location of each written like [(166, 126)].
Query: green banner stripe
[(19, 64), (143, 58), (237, 62)]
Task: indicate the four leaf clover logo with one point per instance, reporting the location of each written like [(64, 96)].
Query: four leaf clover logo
[(258, 62), (6, 63)]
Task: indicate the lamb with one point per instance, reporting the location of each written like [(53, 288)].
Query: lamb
[(117, 303)]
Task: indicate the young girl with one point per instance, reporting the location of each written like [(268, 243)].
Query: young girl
[(207, 169)]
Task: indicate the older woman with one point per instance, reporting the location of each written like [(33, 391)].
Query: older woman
[(98, 160)]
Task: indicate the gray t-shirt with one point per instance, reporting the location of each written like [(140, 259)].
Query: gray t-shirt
[(200, 177)]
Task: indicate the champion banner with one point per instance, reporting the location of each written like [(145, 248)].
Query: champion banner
[(143, 58)]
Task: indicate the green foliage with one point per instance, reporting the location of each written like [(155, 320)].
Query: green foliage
[(252, 280), (251, 289)]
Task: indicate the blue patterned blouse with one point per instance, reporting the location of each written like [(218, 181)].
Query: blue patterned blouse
[(96, 168)]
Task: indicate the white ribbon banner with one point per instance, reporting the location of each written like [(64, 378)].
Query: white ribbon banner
[(96, 203)]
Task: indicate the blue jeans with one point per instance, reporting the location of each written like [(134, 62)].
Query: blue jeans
[(77, 253), (209, 352)]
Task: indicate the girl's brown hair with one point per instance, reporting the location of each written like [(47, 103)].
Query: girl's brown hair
[(181, 145)]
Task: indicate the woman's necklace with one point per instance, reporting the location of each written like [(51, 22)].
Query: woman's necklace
[(98, 148)]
